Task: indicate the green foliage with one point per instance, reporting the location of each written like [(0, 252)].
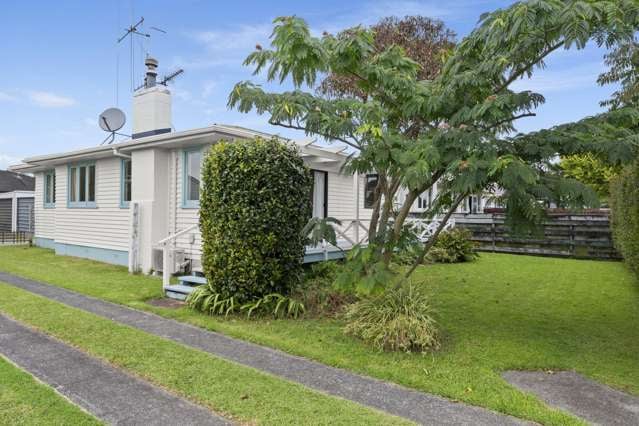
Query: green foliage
[(275, 304), (254, 204), (320, 229), (205, 300), (364, 273), (453, 246), (400, 319), (623, 61), (456, 128), (317, 293), (624, 197), (591, 170)]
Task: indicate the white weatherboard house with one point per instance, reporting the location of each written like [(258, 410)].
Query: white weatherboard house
[(136, 203)]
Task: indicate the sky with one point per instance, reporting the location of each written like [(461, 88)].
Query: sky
[(61, 65)]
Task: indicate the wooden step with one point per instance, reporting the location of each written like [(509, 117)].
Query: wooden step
[(192, 280), (178, 291)]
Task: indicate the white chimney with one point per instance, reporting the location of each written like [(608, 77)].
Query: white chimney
[(151, 105)]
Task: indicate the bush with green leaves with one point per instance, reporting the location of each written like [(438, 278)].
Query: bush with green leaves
[(317, 293), (453, 246), (205, 300), (255, 201), (399, 319), (624, 197)]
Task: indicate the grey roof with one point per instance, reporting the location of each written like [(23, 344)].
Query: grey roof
[(11, 181)]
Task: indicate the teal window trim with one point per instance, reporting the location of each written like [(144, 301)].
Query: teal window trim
[(82, 204), (124, 204), (186, 203), (45, 185)]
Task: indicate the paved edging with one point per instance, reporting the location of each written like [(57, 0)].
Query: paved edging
[(104, 391), (391, 398), (576, 394)]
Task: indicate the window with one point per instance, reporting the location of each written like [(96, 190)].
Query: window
[(425, 200), (125, 183), (49, 189), (82, 185), (192, 173), (369, 191)]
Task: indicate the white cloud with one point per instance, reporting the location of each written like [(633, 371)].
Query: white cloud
[(7, 160), (242, 37), (4, 96), (208, 88), (371, 13), (50, 100), (557, 80)]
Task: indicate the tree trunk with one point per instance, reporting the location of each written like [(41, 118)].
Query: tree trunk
[(372, 229), (433, 239)]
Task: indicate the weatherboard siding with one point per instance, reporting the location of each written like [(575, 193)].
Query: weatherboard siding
[(44, 218), (341, 205), (107, 225)]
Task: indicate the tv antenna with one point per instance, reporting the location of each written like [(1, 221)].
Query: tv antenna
[(111, 120), (132, 31), (164, 81)]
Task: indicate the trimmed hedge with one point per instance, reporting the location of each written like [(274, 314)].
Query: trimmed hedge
[(255, 200), (624, 198)]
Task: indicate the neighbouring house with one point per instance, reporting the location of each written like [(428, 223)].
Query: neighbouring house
[(16, 202), (136, 202)]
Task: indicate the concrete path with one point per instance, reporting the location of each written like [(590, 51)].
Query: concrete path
[(414, 405), (576, 394), (104, 391)]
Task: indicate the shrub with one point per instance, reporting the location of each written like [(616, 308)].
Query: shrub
[(624, 197), (317, 292), (255, 201), (400, 319), (205, 300), (453, 246)]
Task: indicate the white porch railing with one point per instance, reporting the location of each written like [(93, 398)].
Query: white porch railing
[(425, 228), (166, 253), (351, 233), (354, 231)]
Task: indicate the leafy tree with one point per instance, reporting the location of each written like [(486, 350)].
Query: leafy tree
[(457, 128), (426, 41), (591, 170), (624, 70)]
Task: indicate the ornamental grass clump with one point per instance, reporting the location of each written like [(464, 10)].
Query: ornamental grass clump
[(255, 201), (400, 319)]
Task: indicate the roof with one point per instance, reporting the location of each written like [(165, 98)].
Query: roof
[(170, 140), (11, 181)]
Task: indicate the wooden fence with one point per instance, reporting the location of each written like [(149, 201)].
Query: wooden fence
[(13, 238), (579, 235)]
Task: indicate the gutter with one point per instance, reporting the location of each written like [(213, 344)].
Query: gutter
[(119, 154)]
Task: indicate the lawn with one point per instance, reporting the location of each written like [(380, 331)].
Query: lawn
[(232, 390), (498, 313), (24, 401)]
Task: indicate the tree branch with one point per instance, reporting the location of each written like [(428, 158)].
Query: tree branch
[(518, 73), (510, 119), (292, 126), (433, 239)]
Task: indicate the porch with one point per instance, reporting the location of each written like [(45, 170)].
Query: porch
[(350, 233)]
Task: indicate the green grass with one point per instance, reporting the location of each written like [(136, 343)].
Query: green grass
[(230, 389), (24, 401), (498, 313)]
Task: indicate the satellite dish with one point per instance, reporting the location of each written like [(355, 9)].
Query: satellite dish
[(112, 120)]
